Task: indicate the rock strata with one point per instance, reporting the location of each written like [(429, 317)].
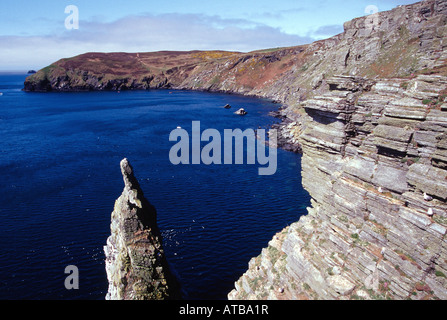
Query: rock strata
[(372, 157), (375, 167), (135, 262), (368, 110)]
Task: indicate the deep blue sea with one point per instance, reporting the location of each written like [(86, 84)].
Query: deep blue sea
[(60, 177)]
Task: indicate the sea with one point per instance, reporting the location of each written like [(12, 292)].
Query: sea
[(60, 177)]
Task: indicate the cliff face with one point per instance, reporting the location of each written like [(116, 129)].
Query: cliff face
[(135, 262), (370, 152), (368, 110), (374, 162)]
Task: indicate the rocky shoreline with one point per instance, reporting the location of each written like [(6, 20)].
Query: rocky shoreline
[(287, 130), (368, 111)]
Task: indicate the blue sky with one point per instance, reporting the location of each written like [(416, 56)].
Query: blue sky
[(33, 33)]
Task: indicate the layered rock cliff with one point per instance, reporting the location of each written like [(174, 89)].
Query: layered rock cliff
[(368, 110), (374, 164), (370, 152), (135, 262)]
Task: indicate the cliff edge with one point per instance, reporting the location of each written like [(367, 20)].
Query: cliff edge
[(375, 164), (135, 262)]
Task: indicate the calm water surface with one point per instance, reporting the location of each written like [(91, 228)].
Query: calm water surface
[(60, 177)]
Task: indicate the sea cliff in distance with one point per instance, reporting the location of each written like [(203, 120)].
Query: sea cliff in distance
[(368, 110)]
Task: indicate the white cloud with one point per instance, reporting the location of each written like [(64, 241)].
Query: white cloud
[(144, 33)]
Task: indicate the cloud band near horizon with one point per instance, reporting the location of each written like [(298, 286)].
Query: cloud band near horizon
[(144, 33)]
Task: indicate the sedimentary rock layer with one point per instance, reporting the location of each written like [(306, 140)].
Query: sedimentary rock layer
[(374, 163), (368, 160)]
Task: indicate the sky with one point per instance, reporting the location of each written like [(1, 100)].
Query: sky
[(33, 34)]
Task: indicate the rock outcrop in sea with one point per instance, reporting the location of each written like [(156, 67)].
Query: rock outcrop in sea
[(368, 110), (136, 265)]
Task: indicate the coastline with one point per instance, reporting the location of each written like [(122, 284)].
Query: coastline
[(367, 109)]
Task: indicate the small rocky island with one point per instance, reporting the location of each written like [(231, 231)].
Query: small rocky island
[(136, 265)]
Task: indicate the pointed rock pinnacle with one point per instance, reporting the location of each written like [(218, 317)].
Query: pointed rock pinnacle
[(136, 265)]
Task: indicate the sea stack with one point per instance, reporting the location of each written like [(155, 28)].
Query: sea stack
[(136, 265)]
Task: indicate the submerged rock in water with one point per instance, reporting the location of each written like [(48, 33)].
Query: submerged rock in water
[(136, 266)]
